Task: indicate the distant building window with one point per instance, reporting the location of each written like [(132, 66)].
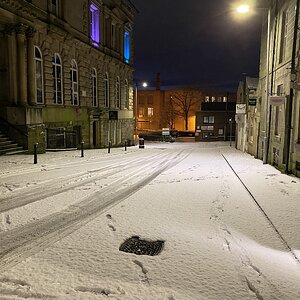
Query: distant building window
[(150, 99), (284, 30), (126, 92), (127, 46), (118, 93), (94, 88), (208, 119), (224, 99), (141, 99), (39, 90), (141, 112), (221, 131), (150, 112), (57, 79), (206, 98), (106, 90), (95, 24), (74, 83)]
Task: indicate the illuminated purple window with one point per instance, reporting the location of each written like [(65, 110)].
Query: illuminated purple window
[(95, 28)]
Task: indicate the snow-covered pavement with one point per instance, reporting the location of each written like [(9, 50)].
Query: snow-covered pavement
[(230, 225)]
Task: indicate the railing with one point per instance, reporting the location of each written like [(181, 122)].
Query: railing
[(59, 138), (14, 132)]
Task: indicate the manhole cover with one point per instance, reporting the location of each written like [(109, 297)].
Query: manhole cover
[(142, 247)]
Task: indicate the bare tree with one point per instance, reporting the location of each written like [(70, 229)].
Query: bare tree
[(184, 101)]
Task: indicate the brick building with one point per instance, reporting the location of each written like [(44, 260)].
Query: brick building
[(66, 72), (215, 121)]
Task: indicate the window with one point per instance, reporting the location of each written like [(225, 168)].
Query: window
[(94, 88), (127, 46), (209, 119), (113, 36), (94, 25), (74, 83), (54, 7), (150, 99), (38, 62), (126, 91), (106, 90), (277, 111), (224, 99), (150, 112), (284, 30), (221, 131), (118, 93), (57, 79), (141, 112)]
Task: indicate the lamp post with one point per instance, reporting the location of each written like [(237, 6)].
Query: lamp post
[(244, 9), (144, 84)]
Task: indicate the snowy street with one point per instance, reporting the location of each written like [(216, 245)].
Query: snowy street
[(230, 225)]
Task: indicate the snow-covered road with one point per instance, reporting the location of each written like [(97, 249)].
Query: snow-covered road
[(230, 225)]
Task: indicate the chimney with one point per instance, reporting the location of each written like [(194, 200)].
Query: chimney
[(158, 81)]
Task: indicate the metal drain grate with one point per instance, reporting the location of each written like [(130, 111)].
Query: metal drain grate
[(142, 247)]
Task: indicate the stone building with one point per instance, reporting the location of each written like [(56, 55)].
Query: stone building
[(66, 72), (278, 99), (247, 124)]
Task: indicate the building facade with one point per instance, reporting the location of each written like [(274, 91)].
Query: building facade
[(277, 110), (215, 121), (247, 122), (66, 72)]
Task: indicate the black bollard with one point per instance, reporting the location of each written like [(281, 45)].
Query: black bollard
[(35, 153), (82, 154), (125, 145), (109, 145)]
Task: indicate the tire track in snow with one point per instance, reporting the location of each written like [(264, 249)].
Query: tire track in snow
[(19, 243), (283, 240), (38, 193)]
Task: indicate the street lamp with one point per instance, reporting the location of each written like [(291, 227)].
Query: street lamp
[(242, 9), (144, 84)]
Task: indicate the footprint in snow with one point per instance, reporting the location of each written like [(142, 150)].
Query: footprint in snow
[(110, 225)]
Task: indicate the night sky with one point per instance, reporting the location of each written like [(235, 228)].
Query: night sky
[(194, 42)]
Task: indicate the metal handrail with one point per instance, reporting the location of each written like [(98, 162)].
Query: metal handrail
[(14, 127)]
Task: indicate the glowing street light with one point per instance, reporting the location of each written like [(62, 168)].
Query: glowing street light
[(243, 9), (144, 84)]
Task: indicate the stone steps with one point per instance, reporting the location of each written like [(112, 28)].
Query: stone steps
[(9, 147)]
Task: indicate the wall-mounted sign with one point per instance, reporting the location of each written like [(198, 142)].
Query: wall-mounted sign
[(240, 108), (277, 100), (252, 101)]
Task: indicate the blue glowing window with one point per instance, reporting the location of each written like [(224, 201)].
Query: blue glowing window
[(127, 46), (95, 28)]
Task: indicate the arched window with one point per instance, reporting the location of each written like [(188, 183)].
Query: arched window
[(94, 88), (57, 79), (74, 83), (118, 94), (126, 92), (106, 90), (39, 82)]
